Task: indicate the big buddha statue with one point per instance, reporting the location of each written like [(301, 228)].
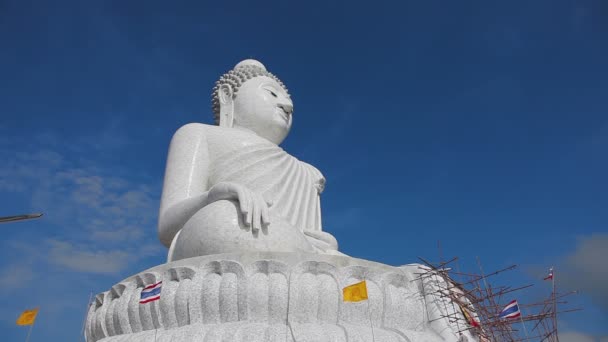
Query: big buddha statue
[(229, 187), (248, 260)]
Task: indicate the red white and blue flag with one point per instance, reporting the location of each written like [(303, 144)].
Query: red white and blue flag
[(511, 310), (150, 293), (550, 276)]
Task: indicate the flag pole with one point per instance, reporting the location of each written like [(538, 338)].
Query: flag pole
[(29, 332), (521, 318), (86, 312), (554, 303)]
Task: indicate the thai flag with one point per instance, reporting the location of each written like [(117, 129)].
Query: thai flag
[(150, 293), (550, 276), (511, 310)]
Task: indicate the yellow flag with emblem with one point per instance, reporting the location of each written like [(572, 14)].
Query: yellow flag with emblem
[(355, 293), (27, 317)]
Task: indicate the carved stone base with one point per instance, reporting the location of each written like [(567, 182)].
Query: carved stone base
[(252, 297)]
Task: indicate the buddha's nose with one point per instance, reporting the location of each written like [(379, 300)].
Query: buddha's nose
[(286, 107)]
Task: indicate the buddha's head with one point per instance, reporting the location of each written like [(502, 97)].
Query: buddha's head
[(250, 97)]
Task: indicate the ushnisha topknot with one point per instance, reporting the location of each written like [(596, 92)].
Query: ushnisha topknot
[(242, 72)]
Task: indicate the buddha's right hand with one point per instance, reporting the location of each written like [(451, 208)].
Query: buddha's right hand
[(254, 207)]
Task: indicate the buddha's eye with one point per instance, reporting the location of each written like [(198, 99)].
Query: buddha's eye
[(272, 92)]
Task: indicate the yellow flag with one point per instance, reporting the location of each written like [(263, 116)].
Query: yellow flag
[(355, 293), (27, 317)]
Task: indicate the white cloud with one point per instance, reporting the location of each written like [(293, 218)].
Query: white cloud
[(16, 276), (79, 259), (576, 337), (99, 226), (102, 222), (89, 258), (20, 273), (586, 268)]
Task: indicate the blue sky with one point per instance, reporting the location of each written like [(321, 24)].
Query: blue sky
[(479, 125)]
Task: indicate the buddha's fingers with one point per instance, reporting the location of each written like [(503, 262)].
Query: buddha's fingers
[(265, 217), (244, 204), (257, 213), (265, 210), (249, 214)]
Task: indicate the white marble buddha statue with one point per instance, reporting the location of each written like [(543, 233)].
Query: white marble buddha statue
[(230, 187)]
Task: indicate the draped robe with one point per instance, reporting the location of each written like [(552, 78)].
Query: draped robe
[(293, 186)]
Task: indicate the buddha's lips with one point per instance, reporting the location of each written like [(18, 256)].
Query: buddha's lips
[(283, 114)]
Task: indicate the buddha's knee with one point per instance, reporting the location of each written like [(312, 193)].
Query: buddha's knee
[(219, 228)]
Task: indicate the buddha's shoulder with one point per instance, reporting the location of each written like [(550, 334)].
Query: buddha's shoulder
[(199, 128), (191, 130), (210, 132)]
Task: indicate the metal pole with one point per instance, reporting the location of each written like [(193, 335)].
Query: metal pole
[(19, 217), (27, 338), (521, 317), (86, 313), (554, 306)]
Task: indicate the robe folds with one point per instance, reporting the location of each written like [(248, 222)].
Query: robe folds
[(293, 186)]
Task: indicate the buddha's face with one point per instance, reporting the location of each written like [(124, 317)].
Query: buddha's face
[(262, 106)]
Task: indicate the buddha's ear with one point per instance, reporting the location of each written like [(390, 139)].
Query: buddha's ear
[(224, 93)]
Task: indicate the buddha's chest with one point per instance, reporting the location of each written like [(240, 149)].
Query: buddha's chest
[(262, 166)]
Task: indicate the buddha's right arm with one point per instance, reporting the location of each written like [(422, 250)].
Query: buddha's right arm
[(185, 188), (254, 209), (185, 185), (172, 219)]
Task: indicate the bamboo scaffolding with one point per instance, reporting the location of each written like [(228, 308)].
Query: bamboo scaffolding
[(484, 301)]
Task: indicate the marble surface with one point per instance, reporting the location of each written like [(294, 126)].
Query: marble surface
[(248, 258), (274, 297)]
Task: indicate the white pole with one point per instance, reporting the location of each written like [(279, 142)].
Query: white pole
[(521, 317), (86, 313), (27, 338)]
